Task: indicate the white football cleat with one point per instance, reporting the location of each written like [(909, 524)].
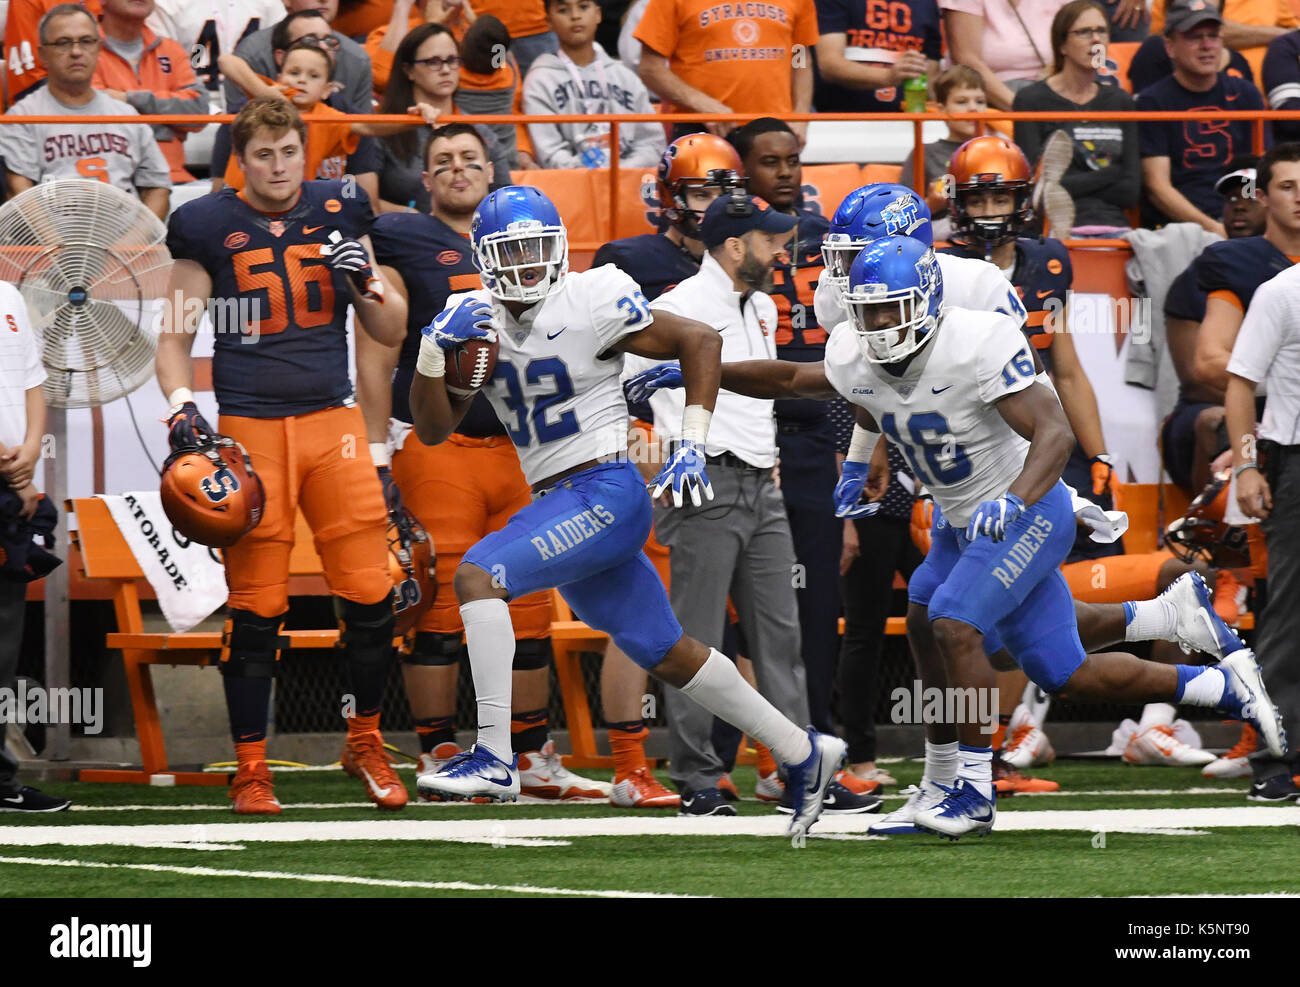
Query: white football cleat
[(1199, 627), (475, 774), (903, 819), (1234, 763), (1158, 745), (543, 776), (1026, 744), (807, 781), (963, 811), (1246, 699)]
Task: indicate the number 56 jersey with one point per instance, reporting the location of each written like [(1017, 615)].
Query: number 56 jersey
[(941, 411), (556, 386)]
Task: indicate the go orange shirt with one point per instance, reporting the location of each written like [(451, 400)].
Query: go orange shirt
[(1258, 13), (739, 53), (328, 147)]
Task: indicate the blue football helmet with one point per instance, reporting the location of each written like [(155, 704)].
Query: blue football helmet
[(517, 232), (867, 214), (897, 277)]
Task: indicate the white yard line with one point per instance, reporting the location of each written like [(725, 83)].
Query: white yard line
[(373, 882), (500, 830)]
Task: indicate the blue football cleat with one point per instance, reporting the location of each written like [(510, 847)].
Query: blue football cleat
[(962, 811), (808, 781), (902, 821), (1245, 698), (1199, 627), (475, 774)]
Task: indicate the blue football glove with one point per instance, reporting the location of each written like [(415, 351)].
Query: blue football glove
[(187, 428), (684, 471), (392, 496), (853, 481), (639, 387), (993, 517), (470, 319)]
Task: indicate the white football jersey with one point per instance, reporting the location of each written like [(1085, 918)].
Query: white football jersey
[(212, 29), (559, 399), (940, 412), (967, 283)]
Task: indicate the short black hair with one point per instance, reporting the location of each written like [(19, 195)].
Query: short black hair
[(280, 33), (450, 130), (548, 4), (1286, 151), (742, 138)]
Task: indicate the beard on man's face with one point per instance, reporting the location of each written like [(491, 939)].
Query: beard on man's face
[(754, 272)]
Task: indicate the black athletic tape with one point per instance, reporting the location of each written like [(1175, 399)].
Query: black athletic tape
[(250, 645), (532, 653), (435, 650), (366, 623)]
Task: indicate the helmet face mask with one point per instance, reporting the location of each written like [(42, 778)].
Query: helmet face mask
[(210, 493), (990, 164), (521, 248), (894, 298), (411, 563), (1201, 535), (695, 161)]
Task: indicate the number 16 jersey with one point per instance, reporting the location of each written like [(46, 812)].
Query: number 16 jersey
[(941, 412), (556, 386)]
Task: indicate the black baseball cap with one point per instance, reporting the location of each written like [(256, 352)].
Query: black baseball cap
[(1183, 15), (736, 215)]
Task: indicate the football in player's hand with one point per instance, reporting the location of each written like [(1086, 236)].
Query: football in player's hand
[(470, 366)]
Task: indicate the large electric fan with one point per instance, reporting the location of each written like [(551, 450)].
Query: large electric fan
[(90, 262)]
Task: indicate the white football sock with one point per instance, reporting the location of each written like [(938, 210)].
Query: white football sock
[(941, 763), (1156, 715), (490, 638), (719, 688), (977, 769), (1152, 620), (1205, 689)]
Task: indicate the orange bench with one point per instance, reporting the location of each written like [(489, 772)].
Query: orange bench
[(106, 556)]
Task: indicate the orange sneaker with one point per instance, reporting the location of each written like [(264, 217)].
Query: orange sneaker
[(728, 789), (364, 757), (251, 791), (642, 790), (1008, 781), (856, 785)]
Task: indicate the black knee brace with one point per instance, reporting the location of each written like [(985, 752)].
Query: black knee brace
[(250, 645), (368, 628), (433, 649), (532, 653)]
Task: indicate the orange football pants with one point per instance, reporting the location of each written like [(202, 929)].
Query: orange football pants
[(317, 463), (461, 491), (1115, 578)]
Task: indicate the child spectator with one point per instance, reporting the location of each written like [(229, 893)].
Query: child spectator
[(582, 78), (1104, 172), (959, 89)]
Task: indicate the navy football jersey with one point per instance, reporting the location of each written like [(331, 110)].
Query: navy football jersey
[(876, 32), (1041, 277), (1185, 299), (1238, 267), (288, 353), (799, 336), (435, 262), (651, 260), (1281, 82)]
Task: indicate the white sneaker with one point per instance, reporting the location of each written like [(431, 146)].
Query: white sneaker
[(1199, 627), (1026, 744), (1234, 763), (1158, 746), (1051, 199), (543, 776), (879, 775), (963, 811), (769, 788), (903, 819)]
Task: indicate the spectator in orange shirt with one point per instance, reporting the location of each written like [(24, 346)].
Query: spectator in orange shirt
[(1248, 26), (700, 56), (530, 33), (23, 70), (152, 74), (305, 80)]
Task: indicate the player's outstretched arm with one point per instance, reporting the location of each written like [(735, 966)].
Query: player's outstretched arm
[(1036, 415), (188, 290), (696, 346), (778, 379)]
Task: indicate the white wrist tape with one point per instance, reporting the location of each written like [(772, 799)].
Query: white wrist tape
[(431, 362), (695, 423), (379, 453), (862, 445), (177, 398)]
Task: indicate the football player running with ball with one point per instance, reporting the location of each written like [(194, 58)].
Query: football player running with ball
[(556, 388), (957, 391), (297, 254)]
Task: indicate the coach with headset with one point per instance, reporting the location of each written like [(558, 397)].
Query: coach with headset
[(739, 543)]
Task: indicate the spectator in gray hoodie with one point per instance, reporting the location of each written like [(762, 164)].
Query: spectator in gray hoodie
[(582, 78)]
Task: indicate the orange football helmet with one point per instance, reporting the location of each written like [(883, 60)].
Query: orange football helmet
[(1201, 533), (989, 164), (210, 493), (411, 562), (695, 160)]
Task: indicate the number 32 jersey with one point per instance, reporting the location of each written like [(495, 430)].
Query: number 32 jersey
[(279, 313), (941, 411), (556, 386)]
